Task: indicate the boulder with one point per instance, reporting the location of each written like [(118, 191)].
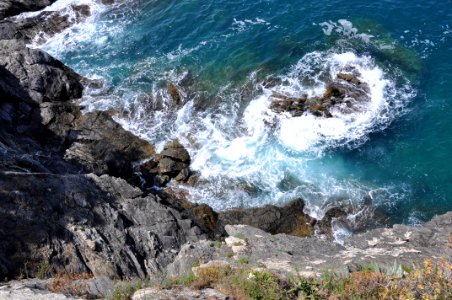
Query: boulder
[(175, 151), (175, 94), (172, 162), (346, 93), (289, 219)]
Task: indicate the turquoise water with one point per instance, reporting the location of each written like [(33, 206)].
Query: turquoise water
[(397, 153)]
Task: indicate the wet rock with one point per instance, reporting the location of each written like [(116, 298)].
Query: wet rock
[(170, 167), (289, 219), (175, 94), (346, 93), (14, 7), (175, 151), (172, 163), (183, 175)]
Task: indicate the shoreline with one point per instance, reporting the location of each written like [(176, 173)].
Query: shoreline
[(72, 181)]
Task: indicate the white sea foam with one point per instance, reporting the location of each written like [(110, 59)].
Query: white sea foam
[(250, 156), (246, 167), (346, 28)]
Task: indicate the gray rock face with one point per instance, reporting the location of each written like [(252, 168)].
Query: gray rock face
[(38, 77), (14, 7), (284, 254), (102, 146), (47, 23), (87, 224)]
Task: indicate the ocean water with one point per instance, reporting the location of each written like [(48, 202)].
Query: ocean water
[(395, 153)]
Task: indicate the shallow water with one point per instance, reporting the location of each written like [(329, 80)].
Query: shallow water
[(396, 152)]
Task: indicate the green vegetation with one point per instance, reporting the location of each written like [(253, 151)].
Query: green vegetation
[(216, 244), (433, 280), (44, 270), (243, 260), (125, 290)]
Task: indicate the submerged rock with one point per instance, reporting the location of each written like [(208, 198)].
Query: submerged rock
[(345, 94), (175, 94)]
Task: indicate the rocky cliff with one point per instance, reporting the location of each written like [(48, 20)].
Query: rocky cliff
[(81, 194)]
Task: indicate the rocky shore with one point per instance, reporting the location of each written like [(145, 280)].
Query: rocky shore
[(81, 195)]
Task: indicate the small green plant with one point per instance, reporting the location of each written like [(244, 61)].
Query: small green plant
[(184, 280), (125, 290), (195, 264), (44, 270), (216, 244), (243, 260)]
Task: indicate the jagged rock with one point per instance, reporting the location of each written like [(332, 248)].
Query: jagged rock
[(204, 216), (39, 77), (172, 162), (14, 7), (174, 150), (293, 256), (288, 219), (87, 224), (48, 23), (346, 93), (30, 289), (175, 94), (102, 146)]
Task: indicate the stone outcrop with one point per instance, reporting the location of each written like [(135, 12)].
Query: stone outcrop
[(388, 248), (172, 163), (87, 224), (289, 219), (345, 94), (36, 76), (64, 200), (79, 193), (13, 7)]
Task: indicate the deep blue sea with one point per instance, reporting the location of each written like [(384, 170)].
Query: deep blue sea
[(396, 153)]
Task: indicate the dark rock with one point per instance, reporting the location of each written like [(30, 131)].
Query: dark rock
[(175, 94), (87, 224), (174, 150), (346, 92), (289, 219), (14, 7), (183, 175), (40, 77), (171, 167), (102, 146)]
